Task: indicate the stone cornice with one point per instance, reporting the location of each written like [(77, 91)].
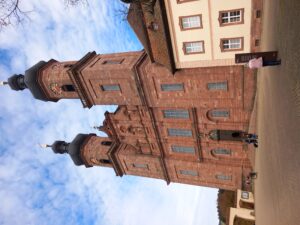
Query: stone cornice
[(113, 157), (75, 73)]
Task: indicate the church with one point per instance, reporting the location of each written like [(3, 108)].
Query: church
[(176, 124)]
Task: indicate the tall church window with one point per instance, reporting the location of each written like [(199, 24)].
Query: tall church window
[(105, 161), (140, 165), (232, 44), (68, 88), (193, 47), (219, 113), (172, 87), (221, 151), (179, 132), (231, 17), (110, 87), (217, 86), (176, 113), (106, 143), (189, 172), (113, 61), (183, 149), (223, 177), (191, 22)]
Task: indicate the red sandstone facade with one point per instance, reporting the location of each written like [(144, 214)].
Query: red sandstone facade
[(178, 128)]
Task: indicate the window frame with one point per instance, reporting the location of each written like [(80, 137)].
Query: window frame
[(173, 147), (68, 88), (223, 177), (102, 87), (164, 85), (191, 173), (232, 49), (171, 114), (184, 47), (219, 113), (177, 130), (190, 28), (112, 61), (215, 152), (222, 24), (245, 195), (215, 89), (140, 165)]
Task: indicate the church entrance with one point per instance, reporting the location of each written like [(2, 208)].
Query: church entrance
[(227, 135)]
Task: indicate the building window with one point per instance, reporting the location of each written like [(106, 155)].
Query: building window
[(68, 88), (106, 143), (245, 195), (68, 65), (176, 113), (223, 177), (232, 44), (139, 165), (179, 132), (105, 161), (110, 87), (172, 87), (193, 47), (113, 61), (189, 172), (183, 149), (190, 22), (219, 113), (217, 86), (221, 151), (231, 17)]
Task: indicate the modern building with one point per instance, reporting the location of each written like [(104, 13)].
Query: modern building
[(179, 125)]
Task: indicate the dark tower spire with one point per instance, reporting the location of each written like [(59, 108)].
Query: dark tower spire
[(73, 148), (17, 82), (29, 81)]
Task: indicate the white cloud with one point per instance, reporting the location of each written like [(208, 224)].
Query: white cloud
[(39, 187)]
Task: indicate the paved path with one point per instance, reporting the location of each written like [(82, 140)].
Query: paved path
[(277, 189)]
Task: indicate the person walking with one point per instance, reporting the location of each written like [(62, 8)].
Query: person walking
[(257, 63)]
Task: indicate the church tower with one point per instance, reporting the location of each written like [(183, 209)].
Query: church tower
[(95, 79)]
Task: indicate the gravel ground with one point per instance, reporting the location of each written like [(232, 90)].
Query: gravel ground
[(277, 161)]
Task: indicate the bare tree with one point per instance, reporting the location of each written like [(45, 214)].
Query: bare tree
[(11, 13)]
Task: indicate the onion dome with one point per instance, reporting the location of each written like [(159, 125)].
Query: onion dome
[(73, 148), (29, 81)]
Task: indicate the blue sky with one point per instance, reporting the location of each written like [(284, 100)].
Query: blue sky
[(39, 187)]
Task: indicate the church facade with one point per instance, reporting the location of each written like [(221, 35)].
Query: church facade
[(179, 125), (178, 128)]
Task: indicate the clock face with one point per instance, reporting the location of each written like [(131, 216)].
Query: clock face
[(55, 88)]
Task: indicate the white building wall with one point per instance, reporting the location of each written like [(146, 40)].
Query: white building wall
[(211, 33)]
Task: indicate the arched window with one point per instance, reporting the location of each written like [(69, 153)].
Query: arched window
[(221, 151), (106, 143), (219, 113), (215, 115), (104, 161), (68, 88)]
